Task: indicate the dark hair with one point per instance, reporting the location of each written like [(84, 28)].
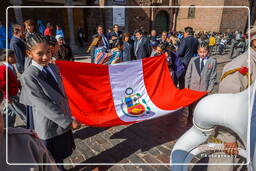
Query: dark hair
[(29, 22), (118, 42), (51, 40), (162, 45), (138, 31), (189, 30), (99, 26), (203, 45), (3, 54), (115, 25), (34, 40), (16, 28), (49, 24)]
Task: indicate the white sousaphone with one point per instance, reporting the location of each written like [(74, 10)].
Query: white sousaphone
[(232, 111)]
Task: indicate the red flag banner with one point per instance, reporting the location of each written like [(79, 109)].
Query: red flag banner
[(124, 93)]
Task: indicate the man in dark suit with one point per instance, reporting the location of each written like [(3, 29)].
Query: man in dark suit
[(17, 44), (116, 32), (187, 49), (141, 45)]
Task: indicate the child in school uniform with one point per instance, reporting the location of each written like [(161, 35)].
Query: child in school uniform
[(13, 106), (44, 92), (201, 73)]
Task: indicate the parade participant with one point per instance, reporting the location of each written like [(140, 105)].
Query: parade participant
[(116, 52), (116, 32), (128, 48), (235, 78), (80, 36), (212, 42), (42, 89), (64, 52), (2, 36), (174, 63), (187, 49), (41, 26), (153, 36), (222, 45), (141, 45), (17, 44), (54, 46), (23, 147), (201, 74), (13, 106), (30, 28), (154, 45), (49, 30), (59, 31), (93, 45)]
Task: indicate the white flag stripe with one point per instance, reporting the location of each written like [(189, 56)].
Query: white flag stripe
[(130, 75)]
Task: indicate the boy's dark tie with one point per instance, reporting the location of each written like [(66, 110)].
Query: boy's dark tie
[(51, 79), (202, 65)]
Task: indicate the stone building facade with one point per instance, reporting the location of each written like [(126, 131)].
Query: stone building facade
[(213, 18), (162, 17)]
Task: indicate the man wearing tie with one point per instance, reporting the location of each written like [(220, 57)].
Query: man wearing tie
[(141, 46)]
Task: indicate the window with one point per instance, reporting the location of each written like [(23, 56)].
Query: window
[(191, 11)]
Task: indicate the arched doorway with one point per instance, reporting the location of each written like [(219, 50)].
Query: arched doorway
[(161, 22)]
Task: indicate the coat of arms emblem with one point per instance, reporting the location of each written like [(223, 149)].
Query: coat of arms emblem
[(133, 104)]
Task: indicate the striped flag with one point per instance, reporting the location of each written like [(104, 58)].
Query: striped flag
[(124, 93)]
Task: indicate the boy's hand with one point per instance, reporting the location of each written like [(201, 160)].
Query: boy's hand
[(75, 125), (10, 101), (231, 148)]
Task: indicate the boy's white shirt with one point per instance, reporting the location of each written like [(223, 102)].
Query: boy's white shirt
[(40, 67), (204, 60)]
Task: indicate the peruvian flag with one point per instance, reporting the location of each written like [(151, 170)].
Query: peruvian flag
[(124, 93)]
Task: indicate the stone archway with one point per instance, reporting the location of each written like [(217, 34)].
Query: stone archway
[(162, 21)]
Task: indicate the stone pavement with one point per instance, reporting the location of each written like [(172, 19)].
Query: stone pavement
[(145, 142)]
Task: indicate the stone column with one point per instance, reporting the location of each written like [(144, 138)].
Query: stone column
[(72, 42), (17, 11)]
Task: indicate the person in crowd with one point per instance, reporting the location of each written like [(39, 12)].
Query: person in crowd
[(128, 48), (106, 57), (23, 147), (54, 47), (112, 41), (11, 94), (64, 52), (164, 39), (59, 31), (235, 78), (153, 36), (187, 49), (17, 44), (116, 52), (222, 45), (201, 74), (141, 45), (109, 31), (40, 26), (116, 32), (174, 63), (49, 30), (154, 45), (30, 28), (2, 36), (212, 42), (93, 45), (80, 36), (42, 89)]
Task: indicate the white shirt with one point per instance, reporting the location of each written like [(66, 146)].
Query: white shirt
[(9, 65), (204, 61), (40, 67)]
